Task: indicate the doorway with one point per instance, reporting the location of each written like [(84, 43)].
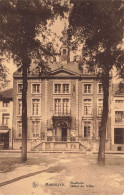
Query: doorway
[(64, 134), (4, 140), (119, 136)]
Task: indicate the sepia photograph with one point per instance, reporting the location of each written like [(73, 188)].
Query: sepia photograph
[(61, 97)]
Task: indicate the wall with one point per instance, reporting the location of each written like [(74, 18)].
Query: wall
[(7, 110)]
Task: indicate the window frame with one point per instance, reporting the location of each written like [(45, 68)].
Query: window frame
[(36, 88), (64, 51), (91, 90), (87, 104), (61, 105), (55, 88), (5, 119), (39, 112), (99, 105), (117, 105), (19, 92), (5, 104), (98, 88), (19, 131), (99, 129), (122, 117), (61, 84), (35, 130), (121, 136), (89, 124), (19, 109)]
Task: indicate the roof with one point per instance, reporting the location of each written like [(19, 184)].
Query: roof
[(70, 67), (7, 94)]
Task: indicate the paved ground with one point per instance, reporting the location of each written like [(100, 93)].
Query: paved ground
[(61, 174)]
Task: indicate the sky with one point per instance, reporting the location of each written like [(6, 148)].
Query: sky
[(56, 28)]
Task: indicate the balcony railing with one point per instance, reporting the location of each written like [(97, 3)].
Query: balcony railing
[(61, 138), (68, 113)]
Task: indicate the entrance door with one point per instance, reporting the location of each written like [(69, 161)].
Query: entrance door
[(119, 136), (64, 134), (4, 140)]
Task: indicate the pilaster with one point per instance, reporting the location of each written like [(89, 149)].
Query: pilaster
[(77, 108), (45, 114)]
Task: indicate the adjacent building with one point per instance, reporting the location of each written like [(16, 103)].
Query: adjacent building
[(117, 116), (6, 114)]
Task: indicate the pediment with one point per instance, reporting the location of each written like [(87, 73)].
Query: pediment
[(63, 73)]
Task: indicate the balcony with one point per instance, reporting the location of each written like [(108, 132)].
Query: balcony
[(62, 117), (68, 113)]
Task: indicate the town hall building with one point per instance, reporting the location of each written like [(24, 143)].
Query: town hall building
[(64, 107)]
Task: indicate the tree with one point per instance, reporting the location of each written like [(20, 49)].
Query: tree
[(3, 75), (98, 25), (22, 23)]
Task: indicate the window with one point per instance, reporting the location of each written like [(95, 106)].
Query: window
[(61, 88), (119, 116), (85, 70), (57, 88), (119, 135), (87, 106), (20, 86), (100, 88), (19, 127), (100, 106), (57, 105), (87, 88), (19, 106), (65, 88), (119, 103), (35, 106), (65, 103), (87, 129), (5, 103), (64, 51), (36, 88), (99, 129), (61, 106), (35, 128), (5, 119)]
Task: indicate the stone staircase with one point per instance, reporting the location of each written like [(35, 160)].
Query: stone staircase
[(40, 145)]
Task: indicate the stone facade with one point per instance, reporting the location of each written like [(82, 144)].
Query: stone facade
[(6, 115), (64, 108), (117, 123)]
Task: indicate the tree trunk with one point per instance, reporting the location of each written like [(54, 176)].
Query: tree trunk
[(24, 114), (101, 153)]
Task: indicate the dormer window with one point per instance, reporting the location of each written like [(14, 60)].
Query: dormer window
[(64, 51), (20, 87), (5, 103)]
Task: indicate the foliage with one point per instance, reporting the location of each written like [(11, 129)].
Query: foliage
[(3, 74), (21, 23), (98, 25)]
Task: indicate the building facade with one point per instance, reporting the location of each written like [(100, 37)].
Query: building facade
[(64, 108), (117, 124), (6, 114)]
